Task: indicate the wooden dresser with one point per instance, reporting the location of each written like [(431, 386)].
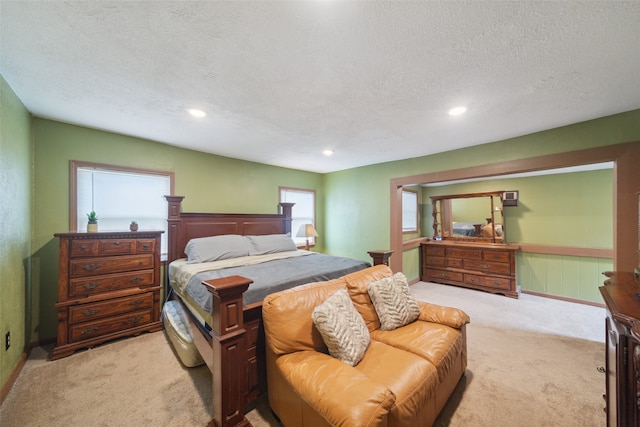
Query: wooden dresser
[(621, 294), (487, 267), (108, 287)]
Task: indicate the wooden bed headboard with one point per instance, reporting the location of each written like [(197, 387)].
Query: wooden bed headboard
[(184, 226)]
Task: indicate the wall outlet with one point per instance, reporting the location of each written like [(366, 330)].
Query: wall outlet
[(7, 341)]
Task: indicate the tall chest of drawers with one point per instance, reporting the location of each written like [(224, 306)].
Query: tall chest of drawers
[(487, 267), (108, 287)]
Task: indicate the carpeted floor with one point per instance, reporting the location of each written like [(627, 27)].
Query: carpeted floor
[(532, 362)]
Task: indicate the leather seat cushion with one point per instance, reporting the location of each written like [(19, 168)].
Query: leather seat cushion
[(412, 379), (439, 344)]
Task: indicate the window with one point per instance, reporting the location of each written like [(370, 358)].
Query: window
[(409, 211), (119, 195), (303, 212)]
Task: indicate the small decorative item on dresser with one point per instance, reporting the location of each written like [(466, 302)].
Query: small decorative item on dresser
[(92, 225), (133, 226)]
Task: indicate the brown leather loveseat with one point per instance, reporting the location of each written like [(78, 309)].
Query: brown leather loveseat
[(404, 378)]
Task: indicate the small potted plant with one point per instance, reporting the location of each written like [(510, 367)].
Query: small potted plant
[(92, 225), (133, 226)]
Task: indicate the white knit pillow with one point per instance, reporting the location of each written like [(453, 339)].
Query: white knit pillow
[(393, 302), (342, 329)]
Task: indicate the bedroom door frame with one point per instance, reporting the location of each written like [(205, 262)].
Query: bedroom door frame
[(626, 184)]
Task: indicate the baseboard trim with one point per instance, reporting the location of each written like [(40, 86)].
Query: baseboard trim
[(561, 298), (6, 388)]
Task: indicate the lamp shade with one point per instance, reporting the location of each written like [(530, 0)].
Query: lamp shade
[(307, 230)]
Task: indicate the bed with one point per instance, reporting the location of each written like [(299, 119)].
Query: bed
[(226, 328), (466, 229)]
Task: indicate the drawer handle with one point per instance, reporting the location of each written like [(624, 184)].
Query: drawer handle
[(136, 280), (135, 303), (135, 320), (485, 266), (83, 248), (145, 247), (91, 267), (90, 330), (91, 285), (91, 311), (116, 243), (496, 257)]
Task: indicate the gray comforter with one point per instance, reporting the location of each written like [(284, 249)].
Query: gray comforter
[(273, 276)]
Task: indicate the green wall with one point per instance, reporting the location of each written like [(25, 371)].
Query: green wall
[(15, 224), (369, 186), (210, 184)]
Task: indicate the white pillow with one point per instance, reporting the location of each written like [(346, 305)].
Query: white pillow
[(341, 327), (271, 244), (215, 248), (393, 302)]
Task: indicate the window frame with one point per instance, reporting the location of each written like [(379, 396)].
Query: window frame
[(312, 240), (74, 165), (417, 228)]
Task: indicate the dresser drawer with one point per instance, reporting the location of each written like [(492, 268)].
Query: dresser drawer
[(464, 253), (488, 266), (97, 310), (436, 261), (496, 256), (102, 247), (105, 326), (454, 262), (436, 275), (84, 247), (116, 247), (473, 279), (95, 266), (145, 246), (109, 282), (434, 250), (496, 283)]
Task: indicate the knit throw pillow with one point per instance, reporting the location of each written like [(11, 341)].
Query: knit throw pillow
[(393, 302), (341, 327)]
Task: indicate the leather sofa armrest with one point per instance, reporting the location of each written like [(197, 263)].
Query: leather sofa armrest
[(338, 392), (449, 316)]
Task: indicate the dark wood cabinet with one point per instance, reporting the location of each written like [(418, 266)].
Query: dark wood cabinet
[(108, 287), (621, 294), (487, 267)]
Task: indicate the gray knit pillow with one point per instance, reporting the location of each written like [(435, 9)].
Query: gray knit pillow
[(342, 329), (393, 302)]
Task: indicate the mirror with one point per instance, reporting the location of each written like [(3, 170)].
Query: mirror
[(472, 217)]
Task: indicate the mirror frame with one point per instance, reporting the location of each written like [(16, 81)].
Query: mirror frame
[(442, 213)]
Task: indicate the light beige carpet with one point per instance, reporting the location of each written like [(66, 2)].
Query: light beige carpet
[(532, 362)]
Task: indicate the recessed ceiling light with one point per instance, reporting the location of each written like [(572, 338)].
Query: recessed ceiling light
[(196, 112), (457, 111), (327, 152)]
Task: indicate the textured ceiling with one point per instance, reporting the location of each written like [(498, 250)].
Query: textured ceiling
[(281, 81)]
